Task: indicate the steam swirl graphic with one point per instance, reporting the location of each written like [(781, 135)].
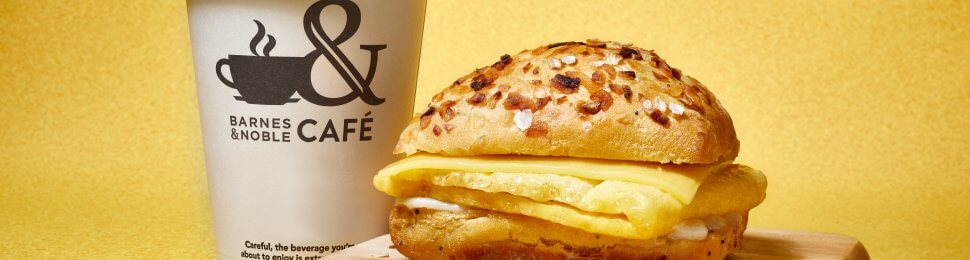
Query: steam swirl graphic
[(260, 32)]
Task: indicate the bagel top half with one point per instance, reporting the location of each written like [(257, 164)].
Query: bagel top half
[(588, 99)]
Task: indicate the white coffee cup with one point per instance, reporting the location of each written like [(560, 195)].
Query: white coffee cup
[(301, 103)]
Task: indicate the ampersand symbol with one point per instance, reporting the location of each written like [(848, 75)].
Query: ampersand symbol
[(329, 47)]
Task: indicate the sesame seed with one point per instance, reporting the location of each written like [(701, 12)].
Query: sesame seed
[(555, 64), (569, 59), (523, 119), (677, 109), (613, 59), (661, 106)]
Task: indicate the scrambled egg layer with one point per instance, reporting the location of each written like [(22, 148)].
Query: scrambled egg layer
[(632, 207)]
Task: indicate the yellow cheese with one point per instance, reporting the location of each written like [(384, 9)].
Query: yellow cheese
[(629, 200), (680, 181)]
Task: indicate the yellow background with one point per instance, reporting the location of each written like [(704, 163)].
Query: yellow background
[(856, 110)]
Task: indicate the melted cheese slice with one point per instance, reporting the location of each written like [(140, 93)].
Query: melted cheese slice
[(625, 199), (680, 181)]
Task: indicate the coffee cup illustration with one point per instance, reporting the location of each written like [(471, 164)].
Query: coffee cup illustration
[(266, 80)]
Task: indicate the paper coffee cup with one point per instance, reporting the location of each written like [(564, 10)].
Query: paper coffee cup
[(301, 104)]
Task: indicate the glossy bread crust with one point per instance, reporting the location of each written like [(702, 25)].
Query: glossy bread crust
[(579, 99)]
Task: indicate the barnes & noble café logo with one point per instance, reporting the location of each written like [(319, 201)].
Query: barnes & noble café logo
[(266, 80)]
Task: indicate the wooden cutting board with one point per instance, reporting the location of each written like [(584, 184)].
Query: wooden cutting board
[(757, 244)]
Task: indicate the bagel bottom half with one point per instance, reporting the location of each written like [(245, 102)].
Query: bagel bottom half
[(481, 234)]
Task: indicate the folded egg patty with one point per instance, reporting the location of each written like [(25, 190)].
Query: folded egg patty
[(625, 199)]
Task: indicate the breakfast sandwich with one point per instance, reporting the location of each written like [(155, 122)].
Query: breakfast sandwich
[(571, 150)]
